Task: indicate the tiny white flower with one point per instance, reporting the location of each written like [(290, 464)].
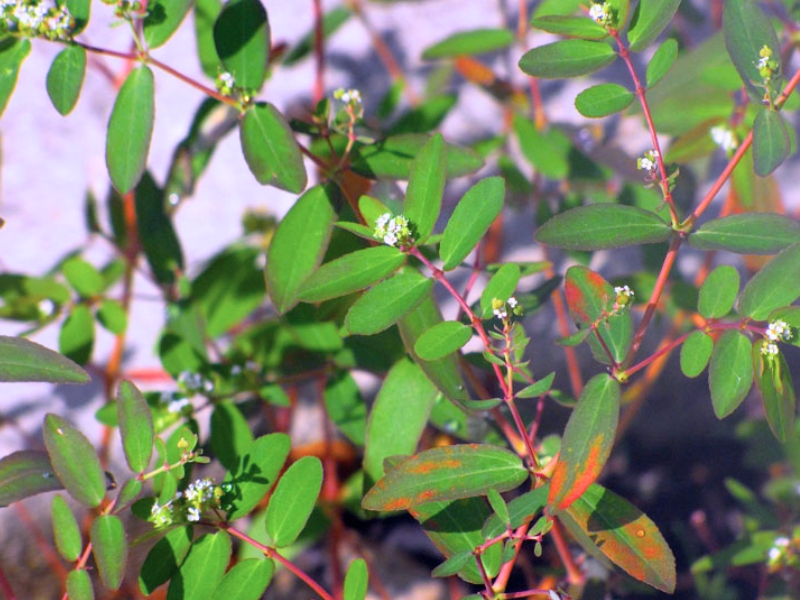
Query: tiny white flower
[(193, 514), (646, 164), (512, 302), (176, 406), (46, 307), (598, 13), (724, 138), (778, 331), (770, 349)]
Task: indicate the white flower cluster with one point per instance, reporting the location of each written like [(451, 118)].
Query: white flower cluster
[(188, 505), (778, 549), (33, 18), (225, 82), (724, 138), (500, 309), (393, 230), (770, 349), (778, 331), (649, 161), (624, 296), (348, 96), (195, 383), (601, 13)]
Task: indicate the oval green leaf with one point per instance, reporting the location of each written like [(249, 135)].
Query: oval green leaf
[(356, 581), (470, 43), (135, 426), (83, 277), (110, 549), (718, 292), (747, 30), (603, 226), (662, 61), (442, 339), (624, 534), (26, 473), (774, 380), (398, 416), (23, 360), (254, 474), (79, 585), (161, 244), (442, 474), (164, 558), (589, 297), (471, 219), (13, 52), (80, 11), (65, 78), (587, 441), (76, 338), (603, 100), (242, 38), (695, 353), (351, 273), (575, 27), (425, 188), (299, 244), (771, 142), (567, 58), (501, 286), (346, 407), (74, 460), (246, 580), (293, 500), (203, 568), (163, 19), (271, 152), (112, 316), (775, 285), (747, 233), (386, 302), (66, 532), (130, 129), (730, 374), (649, 19)]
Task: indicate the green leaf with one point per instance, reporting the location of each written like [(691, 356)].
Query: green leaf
[(730, 374), (254, 473), (575, 27), (13, 52), (299, 245), (110, 549), (163, 19), (747, 30), (521, 510), (351, 273), (76, 338), (649, 19), (603, 100), (203, 569), (242, 38), (547, 151), (695, 353), (775, 285), (424, 117), (392, 158), (718, 292), (537, 389), (587, 441), (80, 11), (74, 460), (450, 473), (589, 296), (454, 564), (83, 277), (471, 219), (331, 22), (247, 580), (270, 149), (387, 301), (771, 142), (205, 15), (164, 558), (112, 316), (130, 129), (26, 473), (425, 188), (66, 532), (662, 62), (567, 58), (79, 585), (293, 500), (501, 286), (230, 434), (774, 380), (356, 581), (442, 339), (161, 244), (470, 43), (135, 426), (23, 360), (345, 407), (603, 226), (747, 233), (624, 534), (398, 416), (65, 78), (499, 506)]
